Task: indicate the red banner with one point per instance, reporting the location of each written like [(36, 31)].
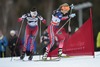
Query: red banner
[(80, 43)]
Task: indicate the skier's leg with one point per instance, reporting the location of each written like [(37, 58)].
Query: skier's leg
[(47, 51), (61, 43), (22, 55), (27, 32), (31, 49), (51, 37), (34, 34)]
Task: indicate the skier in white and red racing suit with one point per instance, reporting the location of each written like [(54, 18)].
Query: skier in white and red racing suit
[(31, 29), (57, 16)]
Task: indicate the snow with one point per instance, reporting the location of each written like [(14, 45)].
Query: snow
[(77, 61)]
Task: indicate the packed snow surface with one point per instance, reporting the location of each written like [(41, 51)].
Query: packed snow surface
[(76, 61)]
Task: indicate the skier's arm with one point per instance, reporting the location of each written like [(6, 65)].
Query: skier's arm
[(21, 18), (59, 14), (64, 18), (42, 19), (70, 16)]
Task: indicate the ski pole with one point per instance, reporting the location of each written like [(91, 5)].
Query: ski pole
[(40, 30), (41, 49), (40, 35), (18, 37), (69, 28), (20, 30), (63, 25)]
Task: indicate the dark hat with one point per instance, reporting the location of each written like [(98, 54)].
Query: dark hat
[(33, 9)]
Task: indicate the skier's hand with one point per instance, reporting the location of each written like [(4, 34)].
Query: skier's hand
[(19, 19), (44, 21), (72, 15), (23, 16), (41, 18)]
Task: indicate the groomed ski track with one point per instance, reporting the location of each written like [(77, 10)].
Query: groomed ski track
[(77, 61)]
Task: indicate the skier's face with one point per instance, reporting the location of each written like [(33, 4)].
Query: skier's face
[(65, 9), (33, 13)]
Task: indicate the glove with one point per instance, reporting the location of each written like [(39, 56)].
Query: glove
[(72, 15), (41, 18), (23, 16), (19, 19), (44, 21)]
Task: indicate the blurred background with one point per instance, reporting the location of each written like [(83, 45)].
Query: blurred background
[(11, 10)]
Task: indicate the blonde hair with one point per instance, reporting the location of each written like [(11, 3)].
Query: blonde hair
[(64, 8), (65, 4)]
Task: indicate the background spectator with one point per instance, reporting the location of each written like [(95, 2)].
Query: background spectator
[(14, 44), (3, 45)]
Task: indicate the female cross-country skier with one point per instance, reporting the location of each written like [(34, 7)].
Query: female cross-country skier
[(58, 15), (31, 29)]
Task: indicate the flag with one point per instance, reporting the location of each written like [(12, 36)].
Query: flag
[(81, 42)]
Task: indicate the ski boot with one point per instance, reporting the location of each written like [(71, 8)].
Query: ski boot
[(30, 56), (45, 56), (60, 52), (23, 55)]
